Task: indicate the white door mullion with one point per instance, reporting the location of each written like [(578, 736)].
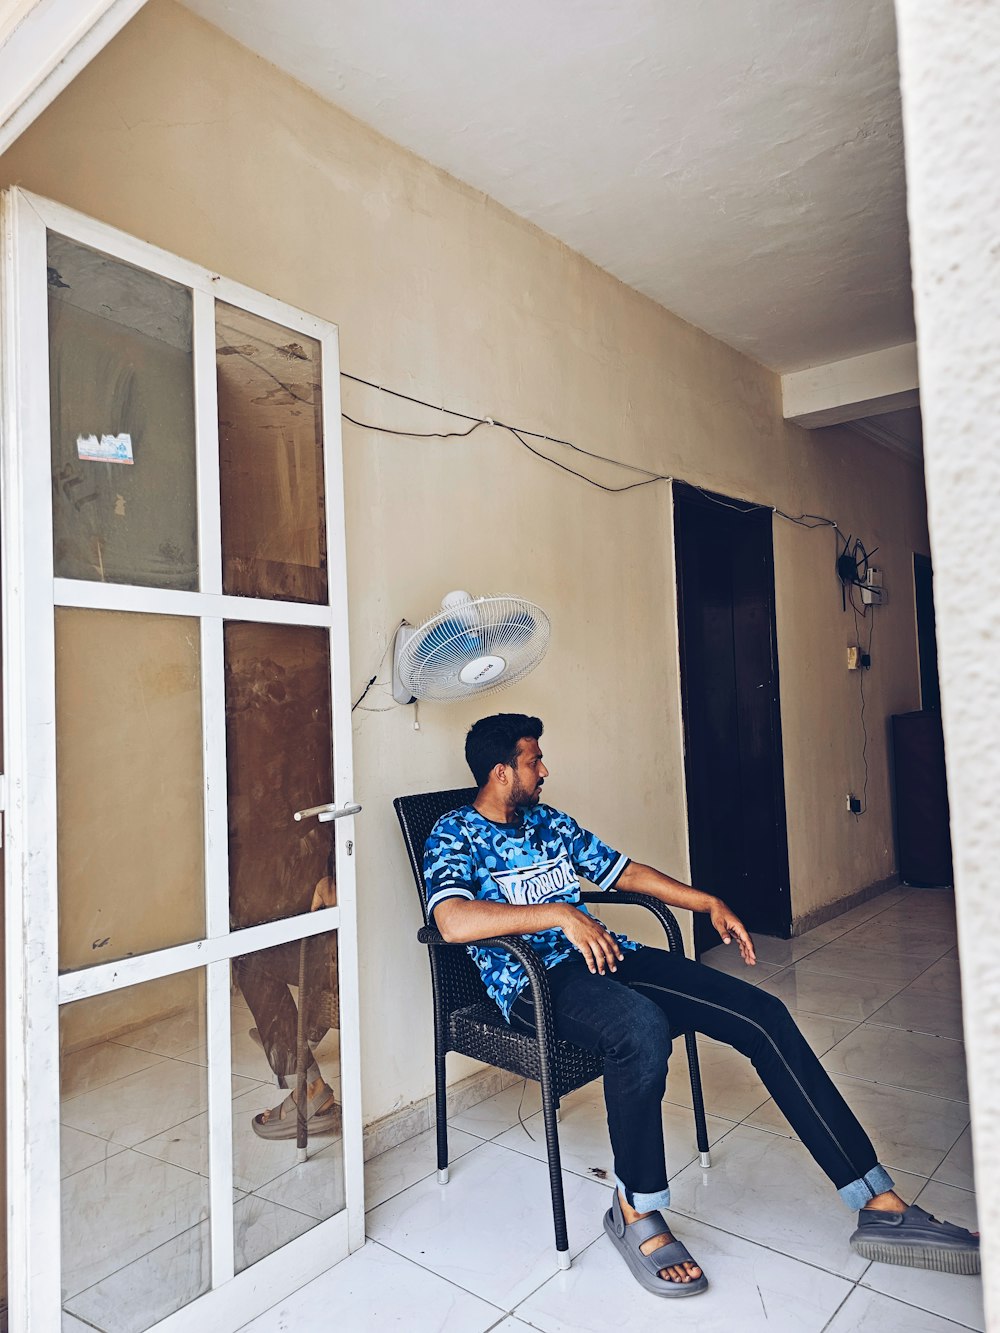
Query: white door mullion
[(134, 970), (220, 1123), (213, 714), (207, 437), (175, 602), (32, 938), (340, 688)]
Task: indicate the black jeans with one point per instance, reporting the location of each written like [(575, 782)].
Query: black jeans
[(629, 1018)]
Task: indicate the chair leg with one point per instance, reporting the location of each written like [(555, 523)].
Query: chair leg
[(441, 1118), (550, 1112), (698, 1099)]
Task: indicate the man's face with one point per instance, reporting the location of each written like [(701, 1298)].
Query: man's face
[(529, 772)]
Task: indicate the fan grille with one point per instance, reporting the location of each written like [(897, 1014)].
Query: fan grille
[(492, 641)]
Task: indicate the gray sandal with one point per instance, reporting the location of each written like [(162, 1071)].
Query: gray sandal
[(915, 1238), (628, 1237), (283, 1120)]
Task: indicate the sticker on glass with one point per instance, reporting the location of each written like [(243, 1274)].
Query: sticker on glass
[(107, 449)]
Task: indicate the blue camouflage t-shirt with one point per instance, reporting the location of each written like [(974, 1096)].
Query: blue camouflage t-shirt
[(536, 860)]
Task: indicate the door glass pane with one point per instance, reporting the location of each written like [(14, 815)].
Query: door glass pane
[(271, 459), (279, 760), (134, 1150), (283, 1198), (129, 784), (122, 408)]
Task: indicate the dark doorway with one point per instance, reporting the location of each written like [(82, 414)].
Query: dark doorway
[(732, 722), (923, 585)]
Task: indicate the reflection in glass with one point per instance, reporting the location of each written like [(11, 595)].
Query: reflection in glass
[(129, 784), (122, 410), (279, 760), (271, 459), (286, 1031), (135, 1197)]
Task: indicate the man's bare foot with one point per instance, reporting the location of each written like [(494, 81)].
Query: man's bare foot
[(686, 1272), (889, 1202)]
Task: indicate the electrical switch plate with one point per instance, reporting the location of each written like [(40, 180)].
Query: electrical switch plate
[(853, 658), (853, 803)]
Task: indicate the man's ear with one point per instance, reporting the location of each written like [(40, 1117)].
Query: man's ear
[(500, 773)]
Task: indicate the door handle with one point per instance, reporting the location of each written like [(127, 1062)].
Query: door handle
[(326, 813)]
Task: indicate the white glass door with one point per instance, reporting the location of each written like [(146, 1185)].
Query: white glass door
[(181, 956)]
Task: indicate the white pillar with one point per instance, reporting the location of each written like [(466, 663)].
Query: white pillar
[(950, 74)]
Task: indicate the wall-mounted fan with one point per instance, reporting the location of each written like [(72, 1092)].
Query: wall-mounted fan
[(473, 645)]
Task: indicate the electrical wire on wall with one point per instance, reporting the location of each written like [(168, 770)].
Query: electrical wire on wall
[(852, 560), (522, 435)]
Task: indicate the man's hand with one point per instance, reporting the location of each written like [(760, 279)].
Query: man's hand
[(730, 927), (600, 949)]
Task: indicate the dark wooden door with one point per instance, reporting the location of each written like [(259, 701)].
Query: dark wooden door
[(732, 725)]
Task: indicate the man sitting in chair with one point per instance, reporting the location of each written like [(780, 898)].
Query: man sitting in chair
[(508, 865)]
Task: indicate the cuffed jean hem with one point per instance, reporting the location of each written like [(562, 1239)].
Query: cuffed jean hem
[(646, 1203), (860, 1192)]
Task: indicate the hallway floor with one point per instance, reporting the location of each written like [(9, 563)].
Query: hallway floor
[(877, 993)]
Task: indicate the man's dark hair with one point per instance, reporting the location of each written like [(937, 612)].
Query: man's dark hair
[(493, 740)]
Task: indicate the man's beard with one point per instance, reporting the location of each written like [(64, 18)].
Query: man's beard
[(521, 796)]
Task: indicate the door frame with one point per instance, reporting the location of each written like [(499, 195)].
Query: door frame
[(35, 990)]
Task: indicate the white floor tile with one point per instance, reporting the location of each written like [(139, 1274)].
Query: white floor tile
[(823, 1033), (498, 1203), (956, 1169), (78, 1150), (911, 1060), (398, 1168), (136, 1296), (919, 1011), (867, 911), (255, 1160), (727, 959), (377, 1289), (70, 1324), (585, 1147), (867, 1312), (750, 1288), (941, 978), (917, 939), (135, 1108), (769, 1189), (315, 1188), (911, 1131), (168, 1036), (163, 1281), (511, 1325), (260, 1227), (845, 958), (496, 1114), (95, 1066), (811, 992), (946, 1294), (117, 1211), (731, 1086), (780, 953)]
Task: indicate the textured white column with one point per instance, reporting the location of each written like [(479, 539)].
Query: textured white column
[(950, 73)]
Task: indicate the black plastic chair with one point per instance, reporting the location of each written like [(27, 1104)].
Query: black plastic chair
[(467, 1021)]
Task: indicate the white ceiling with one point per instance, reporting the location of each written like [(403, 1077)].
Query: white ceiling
[(739, 161)]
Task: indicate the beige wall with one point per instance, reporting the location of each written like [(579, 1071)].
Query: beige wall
[(184, 139)]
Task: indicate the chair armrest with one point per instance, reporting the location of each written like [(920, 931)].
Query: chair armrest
[(660, 910), (538, 982)]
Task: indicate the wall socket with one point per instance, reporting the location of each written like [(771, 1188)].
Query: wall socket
[(853, 803)]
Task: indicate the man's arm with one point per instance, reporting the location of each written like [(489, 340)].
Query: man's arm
[(637, 878), (463, 922)]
